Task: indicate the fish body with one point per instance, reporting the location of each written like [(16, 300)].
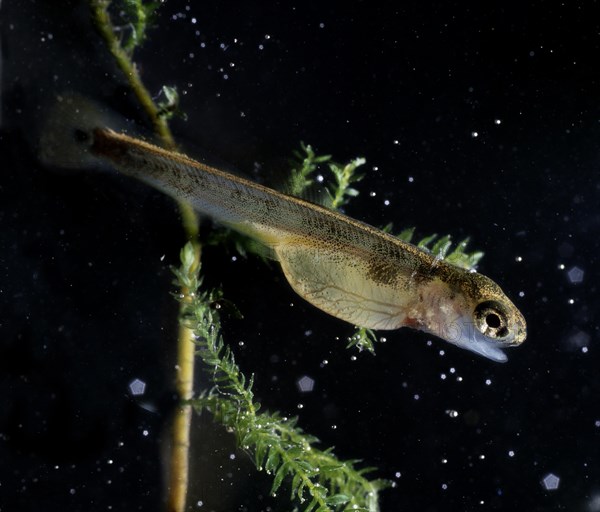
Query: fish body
[(344, 267)]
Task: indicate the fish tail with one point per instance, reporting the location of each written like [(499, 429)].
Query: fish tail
[(67, 133)]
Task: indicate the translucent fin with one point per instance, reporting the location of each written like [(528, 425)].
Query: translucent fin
[(66, 133)]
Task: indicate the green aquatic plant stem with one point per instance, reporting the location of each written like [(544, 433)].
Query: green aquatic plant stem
[(123, 59), (184, 378), (318, 480)]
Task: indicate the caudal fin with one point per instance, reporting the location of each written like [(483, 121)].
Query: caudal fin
[(66, 134)]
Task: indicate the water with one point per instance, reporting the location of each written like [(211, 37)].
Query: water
[(84, 259)]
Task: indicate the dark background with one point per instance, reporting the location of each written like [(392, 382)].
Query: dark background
[(84, 281)]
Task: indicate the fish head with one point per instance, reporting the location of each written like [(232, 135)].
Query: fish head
[(472, 312)]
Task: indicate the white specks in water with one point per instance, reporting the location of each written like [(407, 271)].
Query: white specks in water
[(72, 491), (300, 406), (519, 259), (452, 370), (396, 141), (397, 474), (584, 350), (452, 413), (579, 340), (411, 179), (482, 457), (305, 384), (333, 427), (488, 382), (444, 486), (145, 433), (443, 376), (511, 453), (372, 194), (232, 456), (561, 266), (137, 387), (575, 275), (199, 503), (386, 202), (321, 25), (320, 178), (497, 122), (474, 134), (162, 258), (597, 423), (241, 343), (521, 293), (352, 358), (551, 482), (416, 396), (571, 301), (324, 363), (383, 339)]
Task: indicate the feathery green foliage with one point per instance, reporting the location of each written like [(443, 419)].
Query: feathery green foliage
[(317, 479)]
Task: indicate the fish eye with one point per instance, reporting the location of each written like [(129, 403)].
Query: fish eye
[(491, 319)]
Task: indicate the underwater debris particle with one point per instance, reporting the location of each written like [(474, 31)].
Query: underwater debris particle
[(575, 275), (305, 384), (137, 387), (551, 482)]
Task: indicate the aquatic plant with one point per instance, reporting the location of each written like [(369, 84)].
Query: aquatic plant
[(317, 478)]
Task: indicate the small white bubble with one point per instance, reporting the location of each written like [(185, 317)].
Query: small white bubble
[(521, 294), (232, 456), (333, 427), (443, 376), (444, 486), (145, 433), (571, 301), (416, 397), (199, 503), (561, 267), (497, 121), (352, 358), (372, 194), (321, 25), (519, 259), (452, 413), (452, 370), (584, 350), (300, 406), (474, 134), (397, 474), (482, 457), (511, 453), (488, 382), (386, 202), (396, 141), (411, 179)]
